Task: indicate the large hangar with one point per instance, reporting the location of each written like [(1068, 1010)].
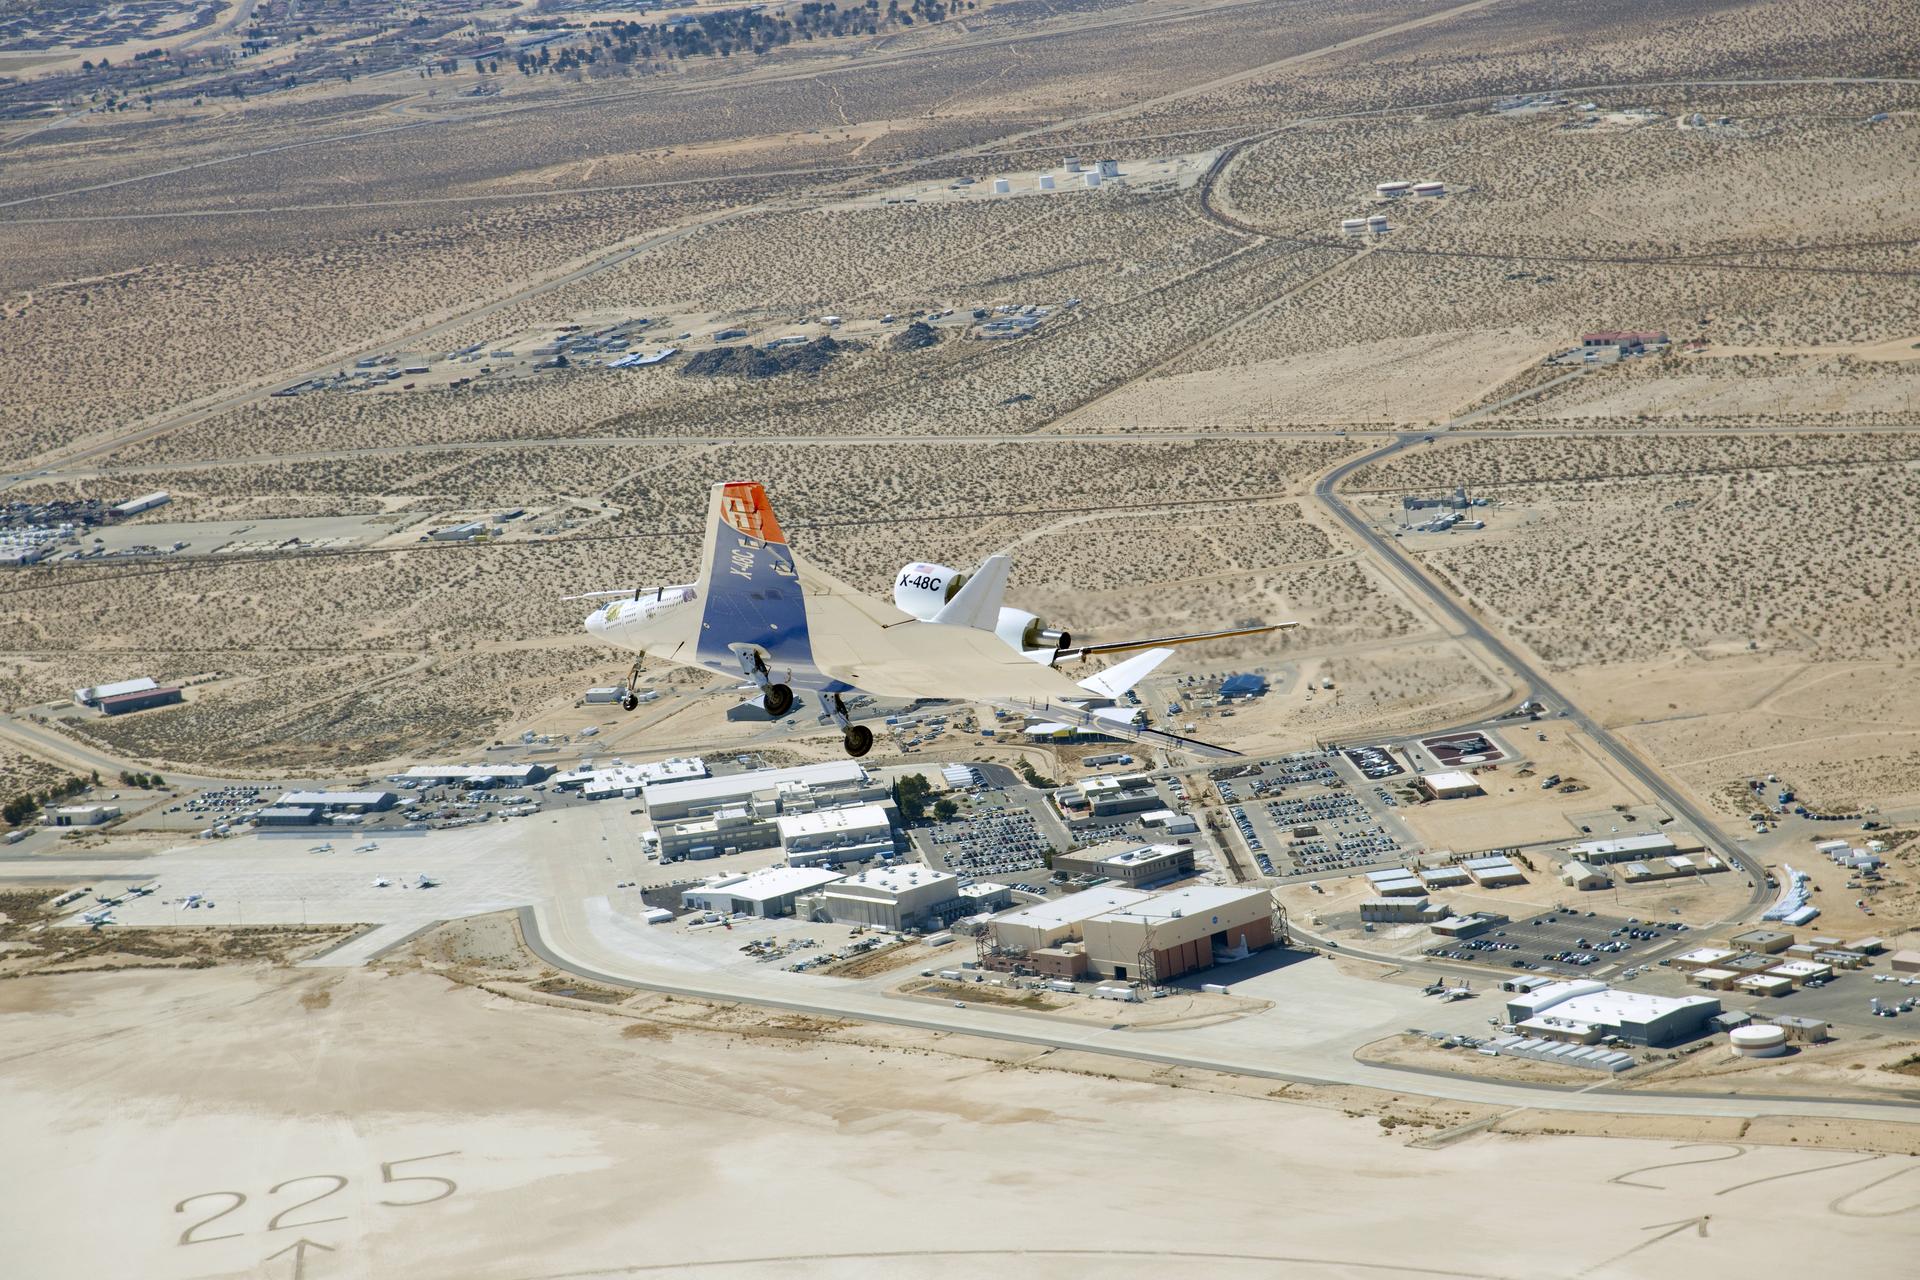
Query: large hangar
[(1176, 933)]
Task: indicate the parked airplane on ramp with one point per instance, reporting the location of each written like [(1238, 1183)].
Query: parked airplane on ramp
[(760, 611)]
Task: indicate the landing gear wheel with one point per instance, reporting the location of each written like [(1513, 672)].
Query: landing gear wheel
[(858, 740), (629, 701), (778, 700)]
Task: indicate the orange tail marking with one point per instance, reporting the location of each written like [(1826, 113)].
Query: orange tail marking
[(745, 507)]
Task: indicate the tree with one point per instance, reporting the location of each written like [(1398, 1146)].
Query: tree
[(910, 796), (944, 809)]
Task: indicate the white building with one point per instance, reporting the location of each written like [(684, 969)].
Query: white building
[(1632, 848), (1451, 785), (145, 502), (79, 815), (716, 835), (895, 898), (796, 790), (707, 817), (339, 801), (621, 779), (1562, 1010), (1493, 872), (91, 696), (1046, 923), (769, 892), (472, 775), (1583, 875), (832, 836), (1175, 824)]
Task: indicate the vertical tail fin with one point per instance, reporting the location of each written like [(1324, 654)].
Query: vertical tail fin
[(977, 604), (749, 582)]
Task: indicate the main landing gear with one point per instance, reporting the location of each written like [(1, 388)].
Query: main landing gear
[(776, 698), (856, 738), (631, 698)]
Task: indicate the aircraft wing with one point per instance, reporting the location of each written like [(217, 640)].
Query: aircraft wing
[(1157, 642), (1094, 722)]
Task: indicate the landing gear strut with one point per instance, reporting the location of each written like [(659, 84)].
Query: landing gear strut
[(631, 698), (857, 738), (776, 698)]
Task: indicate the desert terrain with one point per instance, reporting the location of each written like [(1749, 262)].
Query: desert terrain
[(1554, 368)]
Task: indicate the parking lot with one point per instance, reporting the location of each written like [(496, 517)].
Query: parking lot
[(1562, 944), (1298, 815), (1374, 762), (994, 844)]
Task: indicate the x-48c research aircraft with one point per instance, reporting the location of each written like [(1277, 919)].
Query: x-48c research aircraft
[(758, 610)]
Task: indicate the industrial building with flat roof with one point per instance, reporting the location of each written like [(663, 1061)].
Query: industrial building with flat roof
[(1137, 866), (627, 780), (1624, 849), (473, 775), (733, 813), (91, 695), (340, 801), (1046, 924), (1170, 934), (1396, 882), (1450, 785), (1584, 1008), (288, 815), (896, 898), (121, 703), (831, 836), (769, 892), (1109, 795), (798, 789), (79, 815), (1493, 872)]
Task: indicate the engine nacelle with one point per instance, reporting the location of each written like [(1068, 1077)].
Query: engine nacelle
[(921, 589), (1027, 632)]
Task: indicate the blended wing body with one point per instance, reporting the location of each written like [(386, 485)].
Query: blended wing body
[(760, 607)]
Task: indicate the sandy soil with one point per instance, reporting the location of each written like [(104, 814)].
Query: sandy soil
[(573, 1146)]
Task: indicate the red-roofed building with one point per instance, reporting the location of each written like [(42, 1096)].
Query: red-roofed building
[(125, 702)]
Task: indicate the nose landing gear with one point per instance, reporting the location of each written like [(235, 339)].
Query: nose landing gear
[(631, 698)]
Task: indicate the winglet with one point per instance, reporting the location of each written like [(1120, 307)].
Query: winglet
[(977, 604)]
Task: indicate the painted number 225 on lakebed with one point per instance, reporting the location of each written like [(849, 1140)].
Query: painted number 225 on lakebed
[(210, 1211)]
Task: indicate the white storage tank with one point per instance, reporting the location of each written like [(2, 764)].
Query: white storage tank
[(1046, 182), (1073, 164), (1353, 226), (1109, 168), (1392, 190), (1758, 1041), (1001, 186), (1093, 179), (1377, 223), (1429, 188)]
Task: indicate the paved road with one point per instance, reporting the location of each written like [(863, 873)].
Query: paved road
[(1325, 491), (1308, 1037)]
